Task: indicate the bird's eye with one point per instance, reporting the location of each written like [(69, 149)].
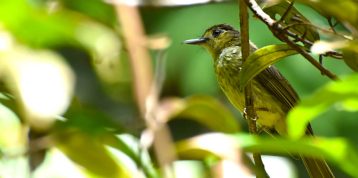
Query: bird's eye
[(216, 33)]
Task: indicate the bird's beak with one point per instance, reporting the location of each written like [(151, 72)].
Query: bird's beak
[(197, 41)]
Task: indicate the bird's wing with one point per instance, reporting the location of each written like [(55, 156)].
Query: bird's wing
[(273, 81)]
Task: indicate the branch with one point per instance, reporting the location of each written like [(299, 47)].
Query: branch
[(250, 114), (146, 89), (283, 35)]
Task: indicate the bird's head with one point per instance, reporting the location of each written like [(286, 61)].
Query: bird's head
[(216, 38)]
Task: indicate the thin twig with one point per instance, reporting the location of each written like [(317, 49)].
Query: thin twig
[(278, 31), (146, 89), (273, 25), (286, 12), (316, 27), (249, 103)]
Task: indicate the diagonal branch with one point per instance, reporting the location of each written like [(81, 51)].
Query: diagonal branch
[(283, 35)]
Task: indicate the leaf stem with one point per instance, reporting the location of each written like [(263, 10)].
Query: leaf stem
[(250, 114)]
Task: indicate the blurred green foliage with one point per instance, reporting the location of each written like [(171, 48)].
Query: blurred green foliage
[(96, 130)]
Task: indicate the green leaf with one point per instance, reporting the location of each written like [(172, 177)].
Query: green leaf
[(342, 92), (350, 54), (130, 149), (36, 26), (207, 145), (89, 153), (203, 109), (339, 151), (293, 17), (96, 9), (344, 11), (12, 134), (261, 59)]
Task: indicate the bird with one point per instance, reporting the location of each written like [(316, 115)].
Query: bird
[(273, 96)]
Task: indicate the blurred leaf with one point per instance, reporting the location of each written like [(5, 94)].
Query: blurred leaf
[(293, 17), (206, 145), (203, 109), (129, 146), (40, 80), (96, 9), (42, 28), (349, 49), (321, 47), (89, 153), (337, 92), (13, 138), (90, 120), (45, 28), (15, 166), (164, 2), (261, 59), (351, 59), (350, 54), (190, 169), (344, 11), (56, 164), (337, 150), (102, 129)]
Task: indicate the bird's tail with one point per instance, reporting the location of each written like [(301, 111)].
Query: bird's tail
[(317, 168)]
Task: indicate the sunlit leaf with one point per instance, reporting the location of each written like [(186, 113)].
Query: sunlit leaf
[(203, 109), (343, 91), (339, 151), (98, 125), (189, 169), (14, 167), (12, 134), (261, 59), (89, 153), (56, 164), (291, 18), (348, 48), (321, 47), (218, 145), (41, 80), (129, 145)]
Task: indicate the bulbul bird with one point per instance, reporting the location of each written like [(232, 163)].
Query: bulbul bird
[(272, 94)]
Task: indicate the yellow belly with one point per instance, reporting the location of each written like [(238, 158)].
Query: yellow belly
[(269, 112)]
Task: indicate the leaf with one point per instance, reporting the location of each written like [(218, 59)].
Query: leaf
[(41, 81), (350, 54), (129, 146), (203, 109), (56, 164), (207, 145), (261, 59), (341, 92), (44, 29), (102, 129), (293, 17), (89, 153), (348, 48), (96, 9), (12, 135), (344, 11), (339, 151)]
